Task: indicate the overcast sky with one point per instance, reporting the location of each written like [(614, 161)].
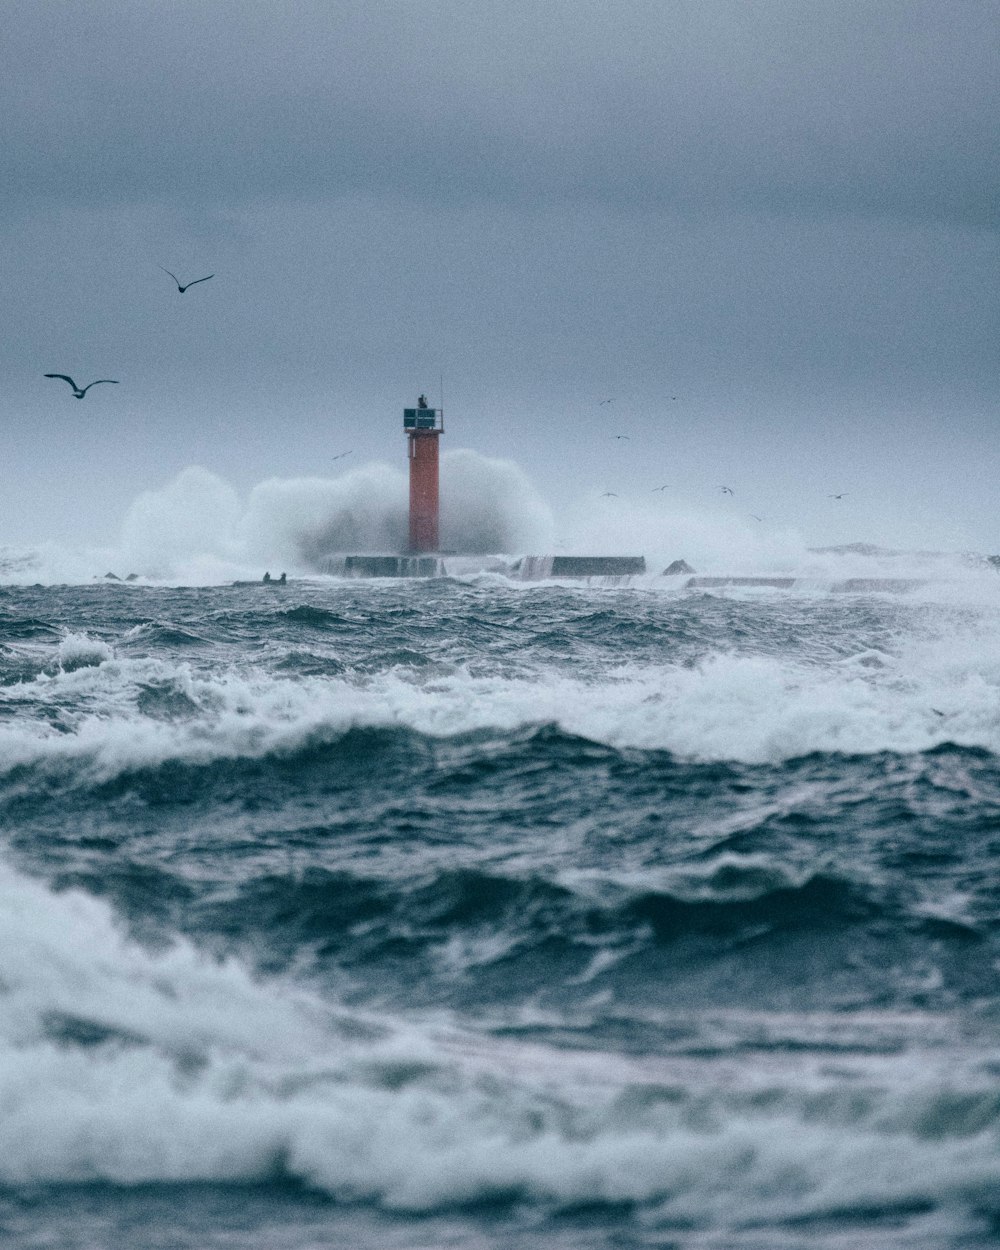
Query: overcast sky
[(767, 231)]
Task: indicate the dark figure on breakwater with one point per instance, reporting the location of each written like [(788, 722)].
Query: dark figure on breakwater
[(269, 581)]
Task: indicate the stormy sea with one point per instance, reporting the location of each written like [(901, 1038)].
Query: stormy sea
[(472, 912)]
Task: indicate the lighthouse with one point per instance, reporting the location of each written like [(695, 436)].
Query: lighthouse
[(423, 426), (423, 557)]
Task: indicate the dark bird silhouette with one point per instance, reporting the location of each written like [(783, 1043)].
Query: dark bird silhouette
[(725, 490), (193, 282), (665, 486), (77, 392), (609, 494), (840, 496), (342, 455), (756, 517), (625, 436), (606, 401)]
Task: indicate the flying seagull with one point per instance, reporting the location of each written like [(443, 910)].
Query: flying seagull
[(606, 401), (342, 455), (194, 282), (77, 392), (725, 490), (625, 436), (609, 494), (840, 496), (663, 487)]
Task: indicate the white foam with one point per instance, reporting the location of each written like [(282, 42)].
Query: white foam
[(194, 1071), (938, 685), (82, 651)]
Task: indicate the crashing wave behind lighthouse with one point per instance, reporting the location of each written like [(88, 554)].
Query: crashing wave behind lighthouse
[(476, 527)]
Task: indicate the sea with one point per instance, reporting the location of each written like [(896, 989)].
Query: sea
[(475, 912)]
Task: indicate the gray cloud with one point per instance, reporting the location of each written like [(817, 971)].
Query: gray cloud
[(783, 214), (801, 108)]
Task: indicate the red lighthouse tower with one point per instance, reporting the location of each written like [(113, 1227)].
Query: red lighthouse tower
[(423, 426)]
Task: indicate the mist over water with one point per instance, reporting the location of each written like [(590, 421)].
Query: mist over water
[(197, 529)]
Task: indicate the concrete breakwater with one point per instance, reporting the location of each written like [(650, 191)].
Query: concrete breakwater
[(527, 568)]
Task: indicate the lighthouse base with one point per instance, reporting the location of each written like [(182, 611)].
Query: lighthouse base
[(386, 566)]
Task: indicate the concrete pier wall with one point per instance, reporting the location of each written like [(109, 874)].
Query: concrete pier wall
[(528, 568), (537, 568), (382, 566)]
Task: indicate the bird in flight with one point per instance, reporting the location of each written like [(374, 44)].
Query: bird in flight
[(609, 494), (342, 455), (625, 436), (663, 487), (605, 401), (193, 282), (840, 496), (725, 490), (77, 392)]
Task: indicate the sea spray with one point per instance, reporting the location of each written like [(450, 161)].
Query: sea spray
[(490, 506), (296, 521), (196, 530), (194, 516), (664, 528), (197, 524)]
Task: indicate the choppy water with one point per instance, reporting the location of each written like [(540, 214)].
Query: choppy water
[(464, 913)]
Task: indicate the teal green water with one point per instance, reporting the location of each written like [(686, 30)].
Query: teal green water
[(460, 913)]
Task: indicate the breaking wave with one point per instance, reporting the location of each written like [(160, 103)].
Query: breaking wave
[(327, 676), (197, 521), (127, 1066)]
